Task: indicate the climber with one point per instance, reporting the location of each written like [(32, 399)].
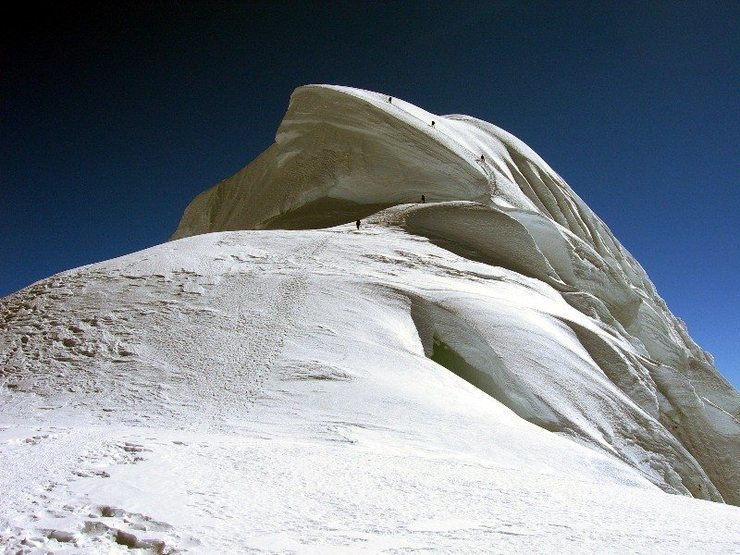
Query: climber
[(390, 100), (357, 223), (432, 123), (482, 158), (423, 199)]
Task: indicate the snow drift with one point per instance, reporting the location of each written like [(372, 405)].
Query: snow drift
[(377, 388)]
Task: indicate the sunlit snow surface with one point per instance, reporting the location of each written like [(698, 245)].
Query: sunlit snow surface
[(306, 390)]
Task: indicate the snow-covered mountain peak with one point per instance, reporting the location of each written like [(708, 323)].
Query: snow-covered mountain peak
[(342, 154), (349, 151), (488, 369)]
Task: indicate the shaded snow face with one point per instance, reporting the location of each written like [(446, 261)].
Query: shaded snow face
[(493, 354)]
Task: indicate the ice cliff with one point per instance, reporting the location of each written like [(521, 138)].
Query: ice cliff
[(635, 384), (488, 370)]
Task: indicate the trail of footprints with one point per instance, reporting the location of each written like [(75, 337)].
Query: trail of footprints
[(99, 527), (106, 526)]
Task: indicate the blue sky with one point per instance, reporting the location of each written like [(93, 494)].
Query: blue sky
[(112, 118)]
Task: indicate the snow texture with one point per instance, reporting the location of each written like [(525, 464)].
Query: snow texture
[(487, 371)]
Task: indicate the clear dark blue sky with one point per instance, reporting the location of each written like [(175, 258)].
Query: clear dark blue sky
[(114, 117)]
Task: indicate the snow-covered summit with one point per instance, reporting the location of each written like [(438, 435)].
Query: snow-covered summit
[(343, 153), (488, 370)]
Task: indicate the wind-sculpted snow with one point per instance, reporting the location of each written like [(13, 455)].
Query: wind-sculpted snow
[(489, 370), (343, 153)]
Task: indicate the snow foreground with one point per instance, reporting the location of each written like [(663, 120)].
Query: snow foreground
[(489, 371)]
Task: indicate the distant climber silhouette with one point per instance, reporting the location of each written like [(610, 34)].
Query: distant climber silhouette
[(432, 123), (482, 158), (423, 199), (390, 99), (357, 223)]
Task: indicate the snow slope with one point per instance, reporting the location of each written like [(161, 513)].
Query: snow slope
[(489, 371), (342, 153)]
